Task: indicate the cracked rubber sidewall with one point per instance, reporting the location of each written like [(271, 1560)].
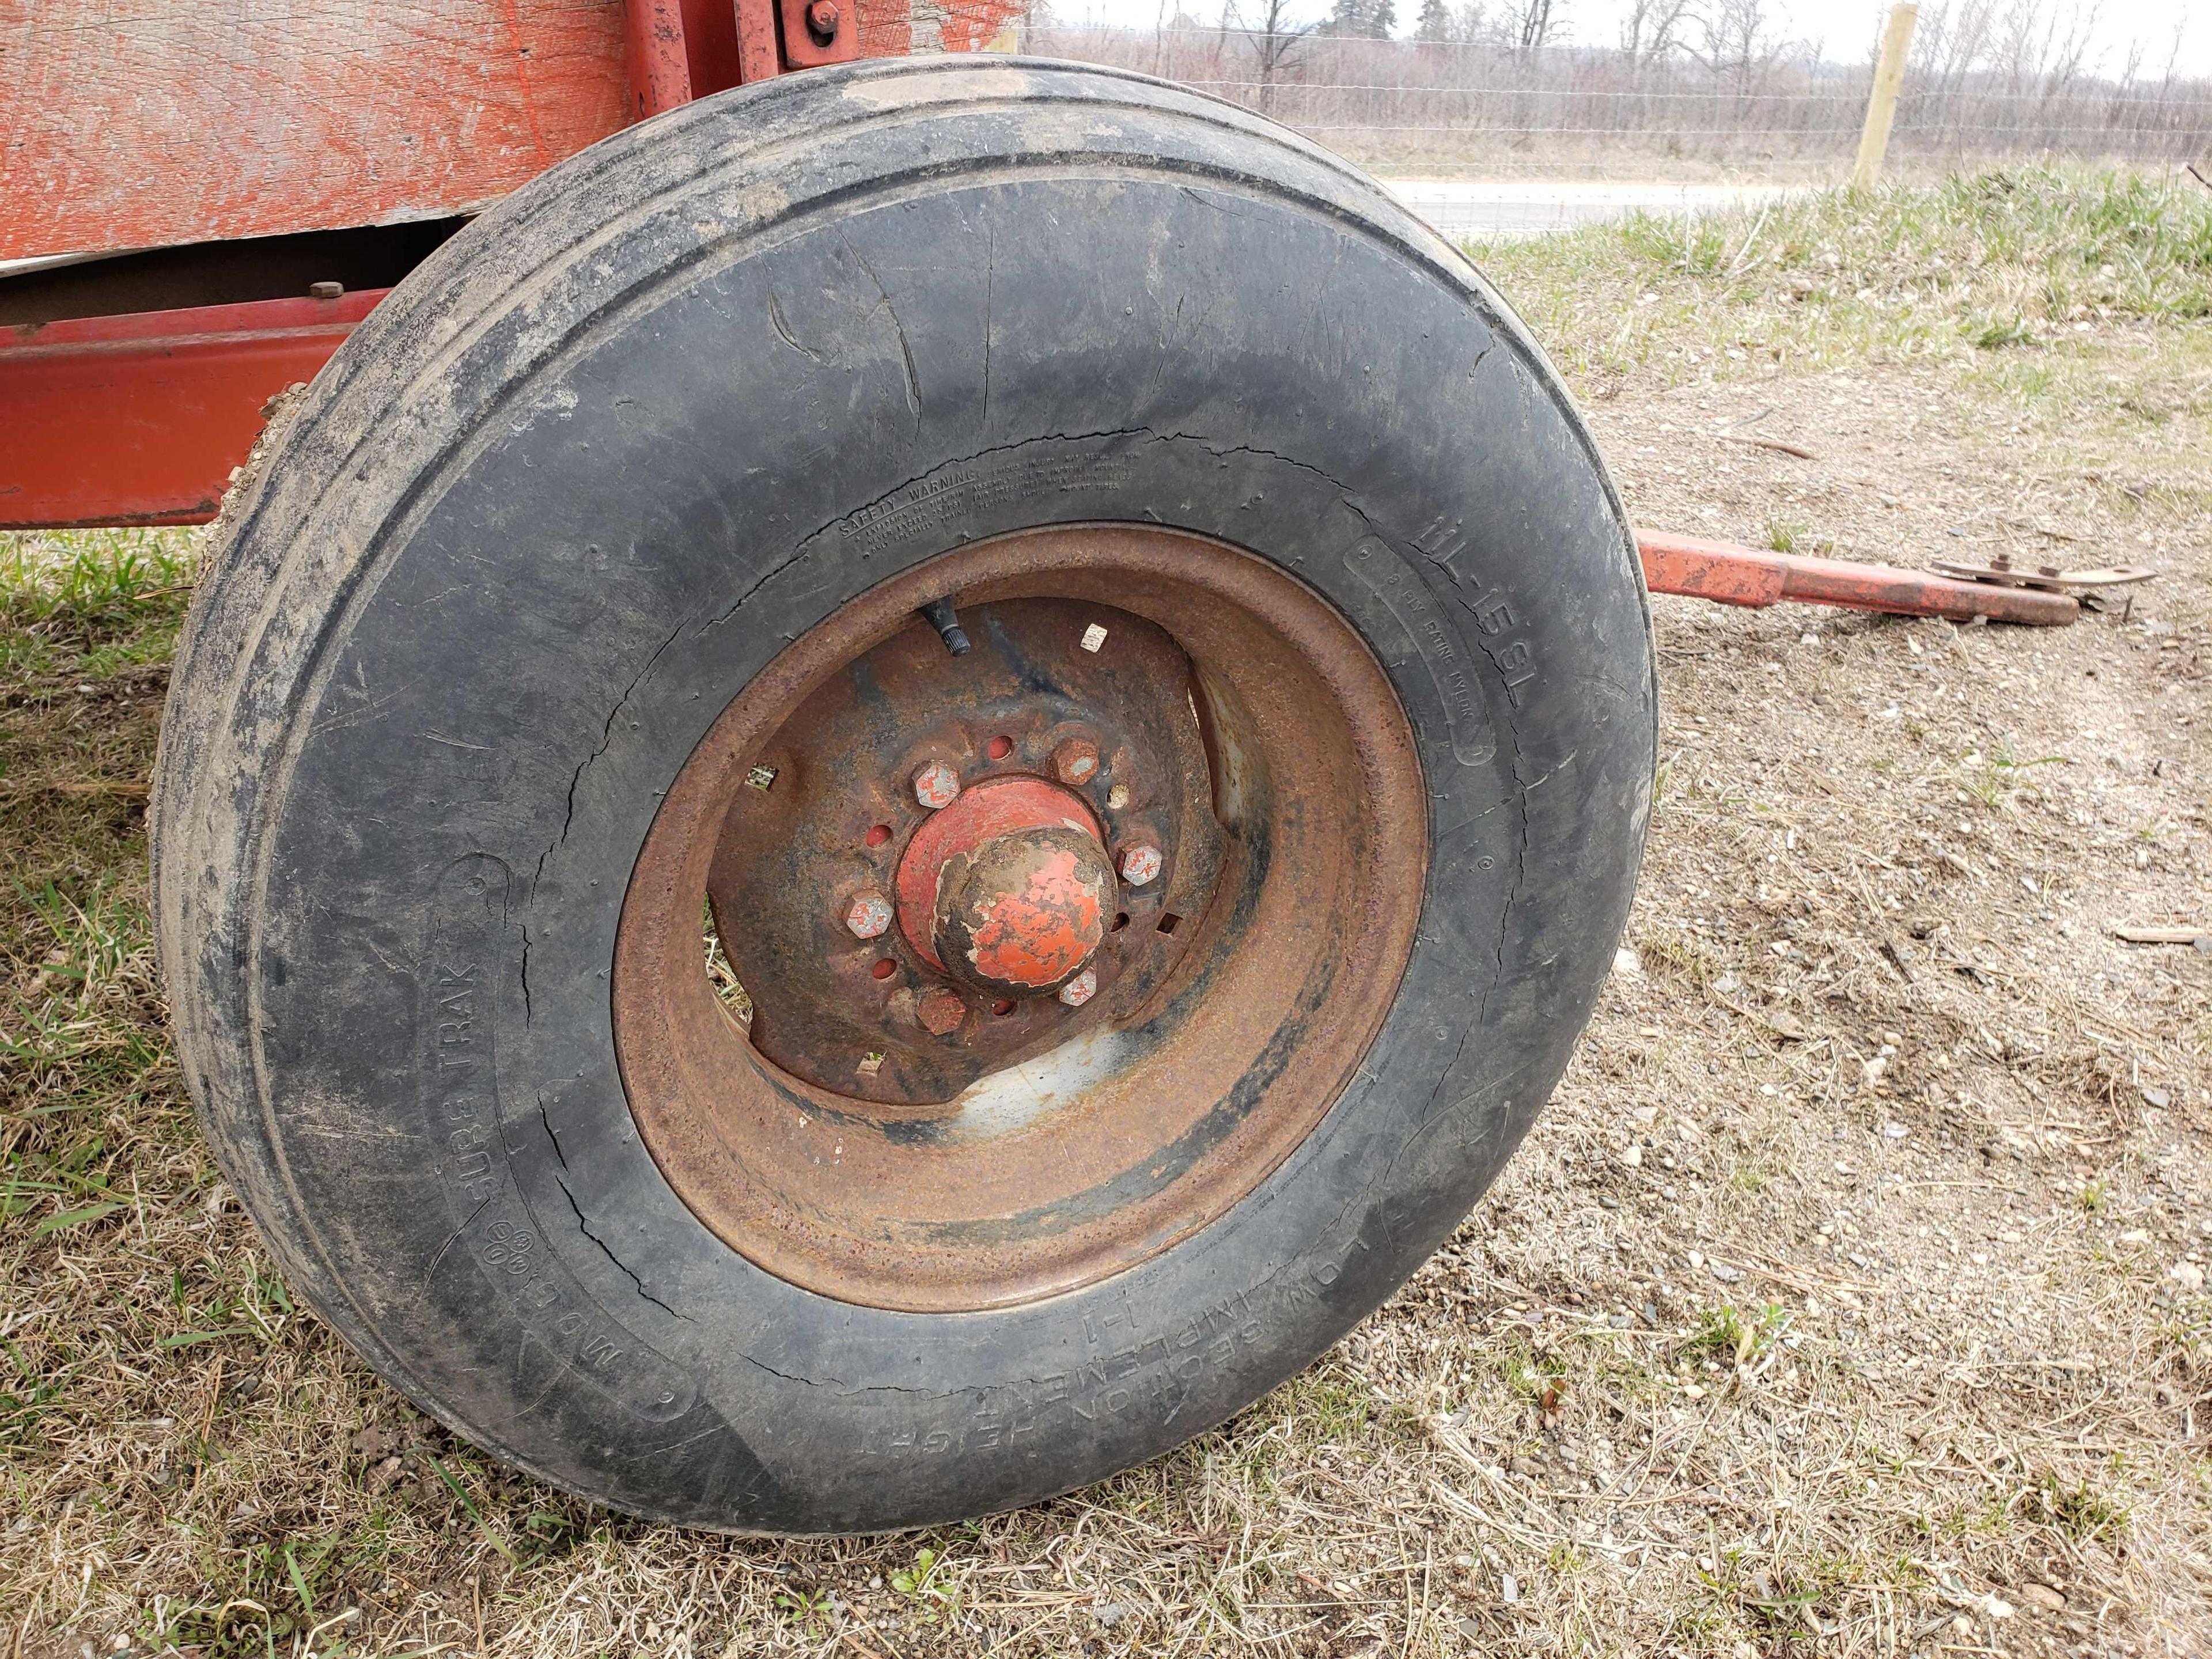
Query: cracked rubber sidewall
[(583, 476)]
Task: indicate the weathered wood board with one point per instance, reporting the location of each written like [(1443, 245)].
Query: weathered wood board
[(145, 123)]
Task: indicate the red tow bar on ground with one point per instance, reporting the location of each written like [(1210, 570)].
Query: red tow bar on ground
[(1731, 575)]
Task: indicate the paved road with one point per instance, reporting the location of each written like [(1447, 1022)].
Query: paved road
[(1460, 207)]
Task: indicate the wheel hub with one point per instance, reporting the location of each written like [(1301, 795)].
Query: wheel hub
[(1008, 889), (962, 861)]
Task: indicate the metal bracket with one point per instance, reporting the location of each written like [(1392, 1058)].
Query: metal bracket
[(680, 50), (2001, 572)]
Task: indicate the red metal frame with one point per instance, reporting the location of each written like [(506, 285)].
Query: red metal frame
[(141, 419), (679, 50)]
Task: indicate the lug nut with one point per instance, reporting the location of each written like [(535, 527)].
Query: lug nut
[(936, 786), (869, 914), (941, 1011), (1140, 863), (1080, 989), (1076, 761)]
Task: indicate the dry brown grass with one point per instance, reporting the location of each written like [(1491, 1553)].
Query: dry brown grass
[(1890, 1337)]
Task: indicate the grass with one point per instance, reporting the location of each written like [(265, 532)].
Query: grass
[(1993, 263), (1879, 1439), (1734, 1337), (97, 599)]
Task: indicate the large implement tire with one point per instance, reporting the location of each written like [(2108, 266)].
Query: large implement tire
[(1128, 1003)]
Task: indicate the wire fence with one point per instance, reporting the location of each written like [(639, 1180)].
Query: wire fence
[(1467, 103)]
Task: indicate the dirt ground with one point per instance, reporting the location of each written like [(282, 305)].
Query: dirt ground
[(1849, 1300)]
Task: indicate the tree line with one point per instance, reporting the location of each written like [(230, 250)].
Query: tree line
[(1716, 80)]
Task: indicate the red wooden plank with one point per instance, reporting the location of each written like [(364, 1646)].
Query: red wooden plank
[(141, 419), (145, 123)]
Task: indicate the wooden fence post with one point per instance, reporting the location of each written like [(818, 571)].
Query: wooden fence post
[(1881, 102)]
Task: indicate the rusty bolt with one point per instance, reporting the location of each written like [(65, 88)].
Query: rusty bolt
[(327, 290), (869, 914), (822, 19), (941, 1011), (1080, 989), (1140, 863), (1075, 761), (936, 786)]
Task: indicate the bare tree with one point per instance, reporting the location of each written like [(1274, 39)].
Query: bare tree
[(1723, 79), (1652, 31), (1529, 25), (1273, 38), (2044, 50), (1950, 42), (1735, 39)]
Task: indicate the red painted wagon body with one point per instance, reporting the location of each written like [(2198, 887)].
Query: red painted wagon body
[(267, 172)]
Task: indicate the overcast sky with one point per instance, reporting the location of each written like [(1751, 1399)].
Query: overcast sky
[(1846, 29)]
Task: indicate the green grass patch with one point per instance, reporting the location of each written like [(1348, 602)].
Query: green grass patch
[(1734, 1336), (1983, 261), (89, 602), (2078, 1509)]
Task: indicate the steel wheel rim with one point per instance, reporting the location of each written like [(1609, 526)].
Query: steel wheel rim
[(1130, 1128)]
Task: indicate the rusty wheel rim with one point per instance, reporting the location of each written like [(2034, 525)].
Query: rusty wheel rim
[(977, 1072)]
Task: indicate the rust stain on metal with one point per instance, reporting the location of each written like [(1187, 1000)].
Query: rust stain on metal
[(845, 816), (941, 1010), (1076, 761), (918, 1144)]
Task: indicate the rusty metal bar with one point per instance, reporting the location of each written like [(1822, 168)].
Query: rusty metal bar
[(758, 55), (141, 419), (658, 58), (819, 32), (1729, 575)]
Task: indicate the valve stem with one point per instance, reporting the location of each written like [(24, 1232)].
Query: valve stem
[(941, 616)]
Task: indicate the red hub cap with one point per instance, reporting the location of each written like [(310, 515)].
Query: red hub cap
[(1009, 888)]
